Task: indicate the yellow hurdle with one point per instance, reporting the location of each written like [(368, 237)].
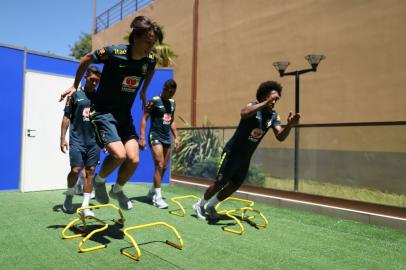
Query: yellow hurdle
[(229, 213), (83, 219), (182, 212), (137, 249), (222, 212)]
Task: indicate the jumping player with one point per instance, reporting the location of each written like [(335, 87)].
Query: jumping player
[(256, 119), (161, 109), (83, 149), (126, 68)]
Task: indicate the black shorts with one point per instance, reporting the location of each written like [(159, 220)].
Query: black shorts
[(154, 140), (232, 169), (113, 127), (87, 156)]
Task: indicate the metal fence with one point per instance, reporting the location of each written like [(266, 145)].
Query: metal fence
[(357, 161), (118, 12)]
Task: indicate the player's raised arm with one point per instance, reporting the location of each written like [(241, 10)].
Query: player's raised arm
[(253, 108), (85, 61), (282, 133)]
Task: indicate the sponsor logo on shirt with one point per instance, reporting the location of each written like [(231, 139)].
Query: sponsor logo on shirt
[(256, 134), (120, 52), (102, 54), (130, 84), (86, 114), (167, 119)]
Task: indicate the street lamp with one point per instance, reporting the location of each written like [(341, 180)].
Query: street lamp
[(314, 60)]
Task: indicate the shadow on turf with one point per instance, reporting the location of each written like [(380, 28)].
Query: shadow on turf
[(152, 253), (113, 231), (59, 208), (141, 199)]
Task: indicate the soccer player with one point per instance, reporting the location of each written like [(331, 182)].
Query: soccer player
[(256, 119), (126, 68), (83, 149), (161, 109)]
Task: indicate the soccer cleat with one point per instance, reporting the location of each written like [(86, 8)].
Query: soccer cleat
[(92, 196), (122, 199), (67, 204), (211, 213), (199, 211), (150, 195), (159, 202), (100, 192), (87, 213)]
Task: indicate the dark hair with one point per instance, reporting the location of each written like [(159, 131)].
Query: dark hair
[(266, 87), (142, 25), (170, 84), (93, 70)]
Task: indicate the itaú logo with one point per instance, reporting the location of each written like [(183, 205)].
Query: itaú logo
[(130, 84), (130, 81), (167, 118), (256, 134)]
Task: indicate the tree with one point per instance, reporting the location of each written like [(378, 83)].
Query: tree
[(81, 47)]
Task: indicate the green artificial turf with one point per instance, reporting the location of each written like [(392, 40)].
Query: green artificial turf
[(31, 224)]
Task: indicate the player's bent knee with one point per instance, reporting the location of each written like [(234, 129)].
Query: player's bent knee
[(159, 165), (75, 170), (133, 160), (90, 170), (119, 157)]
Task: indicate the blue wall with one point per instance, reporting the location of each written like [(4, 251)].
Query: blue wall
[(11, 92), (48, 64)]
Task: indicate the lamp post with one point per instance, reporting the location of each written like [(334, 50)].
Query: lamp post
[(314, 60)]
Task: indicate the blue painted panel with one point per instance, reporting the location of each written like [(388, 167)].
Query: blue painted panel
[(145, 170), (48, 64), (11, 92)]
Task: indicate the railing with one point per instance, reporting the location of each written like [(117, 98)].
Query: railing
[(358, 161), (118, 12)]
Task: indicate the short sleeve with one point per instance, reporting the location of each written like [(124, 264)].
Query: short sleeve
[(102, 55), (277, 119), (150, 106)]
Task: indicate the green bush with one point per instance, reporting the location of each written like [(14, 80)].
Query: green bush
[(195, 146), (256, 176), (204, 169)]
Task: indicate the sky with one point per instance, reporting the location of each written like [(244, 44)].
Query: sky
[(49, 26)]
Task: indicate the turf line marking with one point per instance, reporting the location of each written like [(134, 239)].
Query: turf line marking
[(297, 201)]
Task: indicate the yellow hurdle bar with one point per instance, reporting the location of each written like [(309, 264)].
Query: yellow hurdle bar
[(83, 219), (229, 213), (222, 212), (137, 250), (249, 218), (182, 212)]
